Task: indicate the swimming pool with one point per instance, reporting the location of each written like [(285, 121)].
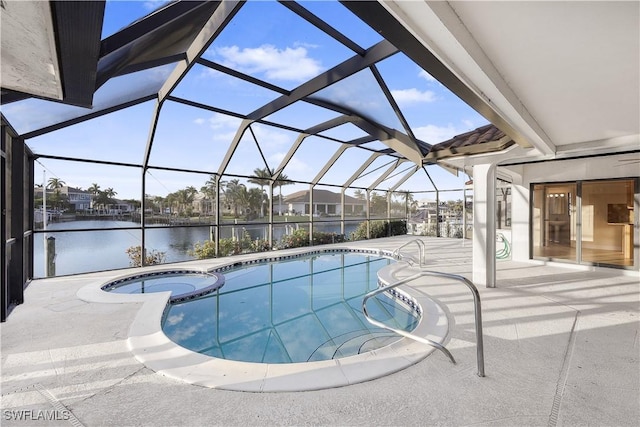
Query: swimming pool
[(150, 345), (287, 311)]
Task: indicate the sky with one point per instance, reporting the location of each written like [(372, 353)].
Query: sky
[(267, 41)]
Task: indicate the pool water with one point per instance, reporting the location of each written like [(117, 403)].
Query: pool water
[(301, 310), (182, 284)]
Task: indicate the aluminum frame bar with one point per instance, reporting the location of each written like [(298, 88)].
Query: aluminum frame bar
[(405, 178), (223, 14), (378, 17), (289, 155), (234, 144), (361, 169), (377, 52), (386, 174), (329, 163), (323, 26)]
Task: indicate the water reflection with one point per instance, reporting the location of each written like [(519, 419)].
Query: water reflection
[(96, 250), (295, 311)]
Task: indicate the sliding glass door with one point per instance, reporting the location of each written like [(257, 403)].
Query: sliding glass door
[(589, 222), (555, 221), (607, 222)]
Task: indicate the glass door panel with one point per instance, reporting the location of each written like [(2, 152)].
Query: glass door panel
[(554, 221), (607, 222)]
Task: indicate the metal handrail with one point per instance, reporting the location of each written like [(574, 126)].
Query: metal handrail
[(476, 303), (421, 248)]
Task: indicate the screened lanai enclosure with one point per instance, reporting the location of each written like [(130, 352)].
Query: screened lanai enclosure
[(204, 129)]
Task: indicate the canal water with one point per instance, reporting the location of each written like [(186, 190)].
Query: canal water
[(85, 251)]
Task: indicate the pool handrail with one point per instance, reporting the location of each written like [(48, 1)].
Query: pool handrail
[(421, 249), (477, 309)]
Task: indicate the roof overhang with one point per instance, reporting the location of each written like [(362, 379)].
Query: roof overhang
[(29, 54), (563, 75), (50, 50)]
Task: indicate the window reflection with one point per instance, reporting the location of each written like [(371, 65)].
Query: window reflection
[(607, 216), (602, 228)]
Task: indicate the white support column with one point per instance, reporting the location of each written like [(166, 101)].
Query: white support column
[(484, 225), (520, 225)]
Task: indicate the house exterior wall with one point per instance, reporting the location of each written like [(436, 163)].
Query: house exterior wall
[(319, 208)]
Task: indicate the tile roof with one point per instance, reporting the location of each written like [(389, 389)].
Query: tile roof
[(481, 135)]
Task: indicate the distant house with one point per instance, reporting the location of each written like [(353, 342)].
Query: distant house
[(203, 204), (324, 203), (120, 207), (427, 212), (77, 199)]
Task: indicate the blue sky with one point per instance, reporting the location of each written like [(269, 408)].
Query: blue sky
[(269, 42)]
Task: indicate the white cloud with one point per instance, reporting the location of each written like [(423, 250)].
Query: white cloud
[(432, 134), (271, 138), (224, 127), (174, 320), (412, 96), (154, 4), (468, 123), (277, 64), (221, 121), (183, 334), (294, 167), (428, 77), (306, 45)]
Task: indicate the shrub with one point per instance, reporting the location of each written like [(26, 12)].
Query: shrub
[(152, 257), (204, 250), (228, 247), (259, 245), (361, 232), (300, 238), (207, 249), (322, 238), (397, 227), (380, 229), (297, 239)]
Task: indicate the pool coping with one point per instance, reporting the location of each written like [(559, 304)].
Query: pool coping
[(155, 350), (185, 296)]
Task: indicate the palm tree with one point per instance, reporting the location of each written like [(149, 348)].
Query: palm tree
[(171, 199), (55, 184), (262, 178), (209, 191), (189, 194), (408, 200), (279, 182), (159, 200), (234, 193), (254, 198), (110, 193), (104, 198), (95, 191)]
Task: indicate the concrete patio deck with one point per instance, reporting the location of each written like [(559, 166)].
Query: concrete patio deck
[(561, 348)]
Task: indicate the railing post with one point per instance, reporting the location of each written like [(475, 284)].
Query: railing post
[(51, 257), (477, 310)]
